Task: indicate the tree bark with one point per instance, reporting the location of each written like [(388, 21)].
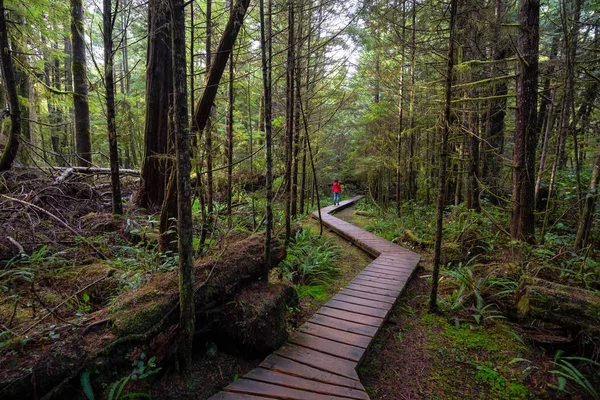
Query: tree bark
[(289, 121), (433, 306), (184, 189), (571, 36), (585, 225), (8, 75), (83, 142), (158, 141), (229, 129), (109, 82), (265, 44), (208, 129), (522, 220), (492, 164), (219, 63)]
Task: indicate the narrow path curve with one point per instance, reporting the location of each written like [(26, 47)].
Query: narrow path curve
[(319, 361)]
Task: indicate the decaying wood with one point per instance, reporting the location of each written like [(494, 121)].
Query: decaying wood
[(570, 307), (68, 171)]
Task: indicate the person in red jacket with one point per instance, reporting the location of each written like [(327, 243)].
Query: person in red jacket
[(337, 190)]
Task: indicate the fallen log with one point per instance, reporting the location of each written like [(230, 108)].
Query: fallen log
[(144, 319), (569, 307), (68, 171)]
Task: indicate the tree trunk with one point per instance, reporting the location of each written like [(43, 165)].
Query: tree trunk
[(585, 225), (208, 130), (412, 174), (158, 141), (433, 306), (492, 160), (289, 123), (265, 44), (109, 82), (229, 129), (83, 143), (184, 190), (8, 75), (400, 113), (544, 152), (571, 35), (522, 220)]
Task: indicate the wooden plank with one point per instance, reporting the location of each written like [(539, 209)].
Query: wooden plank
[(279, 392), (326, 346), (369, 296), (358, 309), (275, 362), (350, 316), (362, 302), (335, 335), (361, 288), (294, 382), (389, 276), (401, 272), (398, 264), (318, 360), (236, 396), (398, 285), (343, 325), (379, 285)]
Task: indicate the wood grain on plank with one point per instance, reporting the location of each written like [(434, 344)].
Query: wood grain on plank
[(270, 390), (350, 316), (326, 346), (336, 334), (393, 294), (281, 379), (275, 362), (363, 302), (358, 309), (318, 360), (343, 325)]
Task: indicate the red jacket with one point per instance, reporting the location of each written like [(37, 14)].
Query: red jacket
[(337, 188)]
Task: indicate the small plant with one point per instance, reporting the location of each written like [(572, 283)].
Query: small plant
[(566, 371), (310, 260)]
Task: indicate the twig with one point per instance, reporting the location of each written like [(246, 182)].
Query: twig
[(109, 273), (50, 312), (100, 254), (17, 244)]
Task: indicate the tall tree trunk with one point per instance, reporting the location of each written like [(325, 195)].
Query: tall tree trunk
[(158, 141), (24, 90), (265, 44), (522, 220), (109, 82), (433, 306), (544, 152), (400, 113), (208, 130), (585, 225), (184, 190), (571, 36), (8, 75), (289, 123), (229, 129), (494, 148), (412, 174)]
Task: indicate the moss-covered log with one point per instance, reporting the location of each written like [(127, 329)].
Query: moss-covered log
[(570, 307), (141, 320), (254, 322)]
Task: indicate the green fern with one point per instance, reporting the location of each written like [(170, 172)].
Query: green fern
[(84, 379)]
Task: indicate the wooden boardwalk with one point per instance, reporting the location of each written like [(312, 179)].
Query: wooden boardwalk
[(319, 360)]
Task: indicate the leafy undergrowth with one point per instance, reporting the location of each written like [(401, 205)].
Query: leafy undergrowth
[(471, 350)]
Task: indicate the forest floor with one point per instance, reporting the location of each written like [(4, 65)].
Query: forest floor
[(416, 355)]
